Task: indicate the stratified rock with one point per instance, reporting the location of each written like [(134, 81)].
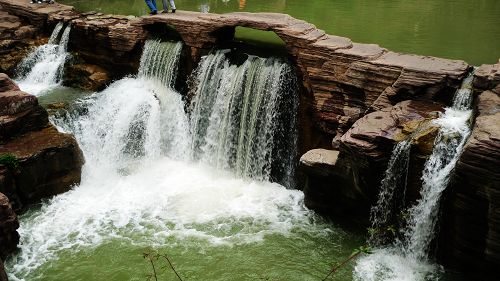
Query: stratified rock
[(487, 76), (368, 145), (471, 229), (19, 111), (48, 162), (9, 238)]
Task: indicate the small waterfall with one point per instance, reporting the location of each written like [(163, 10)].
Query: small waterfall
[(395, 178), (243, 117), (407, 259), (453, 133), (135, 119), (160, 61), (42, 69)]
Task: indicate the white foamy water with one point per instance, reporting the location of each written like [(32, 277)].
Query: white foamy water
[(138, 184), (164, 198), (42, 69)]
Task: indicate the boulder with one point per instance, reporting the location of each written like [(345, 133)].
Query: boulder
[(471, 228), (327, 184), (9, 238)]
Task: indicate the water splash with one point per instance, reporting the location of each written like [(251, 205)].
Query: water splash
[(42, 69), (244, 116)]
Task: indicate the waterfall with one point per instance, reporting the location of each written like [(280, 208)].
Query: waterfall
[(386, 208), (407, 259), (139, 189), (453, 133), (243, 117), (160, 61), (135, 118), (42, 69)]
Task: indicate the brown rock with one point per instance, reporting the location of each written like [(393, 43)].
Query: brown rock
[(20, 113), (319, 161), (9, 238), (487, 76), (368, 145), (49, 162), (86, 76)]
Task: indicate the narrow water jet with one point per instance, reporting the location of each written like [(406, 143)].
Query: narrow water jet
[(243, 117), (395, 179), (42, 69)]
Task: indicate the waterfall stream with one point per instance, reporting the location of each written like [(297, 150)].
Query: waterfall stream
[(145, 185), (42, 69), (408, 258), (244, 117)]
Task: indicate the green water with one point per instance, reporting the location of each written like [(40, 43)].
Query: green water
[(458, 29)]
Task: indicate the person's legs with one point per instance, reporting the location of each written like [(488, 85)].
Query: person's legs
[(151, 5), (165, 5), (172, 5)]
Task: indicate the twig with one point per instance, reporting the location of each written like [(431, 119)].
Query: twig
[(171, 266), (153, 265), (335, 268)]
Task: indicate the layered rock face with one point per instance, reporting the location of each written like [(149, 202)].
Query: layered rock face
[(17, 38), (471, 229), (43, 161)]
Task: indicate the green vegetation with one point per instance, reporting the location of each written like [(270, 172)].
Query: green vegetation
[(9, 160)]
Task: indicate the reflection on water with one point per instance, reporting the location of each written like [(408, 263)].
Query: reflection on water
[(458, 29)]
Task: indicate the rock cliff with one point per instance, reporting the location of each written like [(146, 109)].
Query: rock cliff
[(38, 161)]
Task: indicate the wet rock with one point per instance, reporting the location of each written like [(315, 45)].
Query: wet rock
[(471, 229), (86, 76), (9, 238), (48, 162)]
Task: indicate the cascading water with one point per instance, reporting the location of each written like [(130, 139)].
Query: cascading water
[(407, 259), (241, 113), (42, 69), (453, 133), (140, 190), (395, 177)]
